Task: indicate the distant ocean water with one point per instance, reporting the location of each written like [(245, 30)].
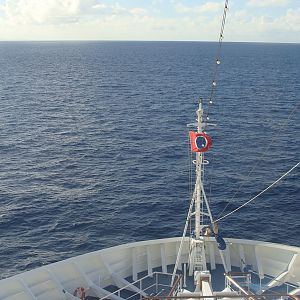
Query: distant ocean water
[(94, 149)]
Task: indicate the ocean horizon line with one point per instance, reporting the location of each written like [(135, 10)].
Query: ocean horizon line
[(144, 41)]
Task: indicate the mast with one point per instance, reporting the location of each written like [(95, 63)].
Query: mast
[(197, 261), (199, 157), (200, 143)]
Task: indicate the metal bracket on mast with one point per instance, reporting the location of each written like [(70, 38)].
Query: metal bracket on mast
[(203, 124)]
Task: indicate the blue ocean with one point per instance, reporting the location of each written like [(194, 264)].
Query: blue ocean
[(94, 143)]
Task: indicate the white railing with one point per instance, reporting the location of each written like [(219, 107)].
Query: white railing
[(155, 284), (242, 281), (289, 286)]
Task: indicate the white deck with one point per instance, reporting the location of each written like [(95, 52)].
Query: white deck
[(100, 269)]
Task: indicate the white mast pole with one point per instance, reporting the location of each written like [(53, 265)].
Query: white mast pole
[(199, 176)]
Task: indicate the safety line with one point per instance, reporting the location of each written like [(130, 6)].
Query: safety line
[(275, 137), (246, 203)]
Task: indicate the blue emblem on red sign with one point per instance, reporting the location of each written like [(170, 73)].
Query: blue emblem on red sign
[(200, 142)]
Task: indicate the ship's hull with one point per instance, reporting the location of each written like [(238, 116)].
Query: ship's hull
[(100, 269)]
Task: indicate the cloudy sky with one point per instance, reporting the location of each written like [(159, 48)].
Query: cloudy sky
[(248, 20)]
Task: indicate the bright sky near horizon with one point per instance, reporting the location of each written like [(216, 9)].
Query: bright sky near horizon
[(248, 20)]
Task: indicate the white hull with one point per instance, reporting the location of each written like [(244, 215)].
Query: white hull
[(110, 266)]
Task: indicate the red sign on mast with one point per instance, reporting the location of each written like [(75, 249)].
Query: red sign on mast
[(200, 142)]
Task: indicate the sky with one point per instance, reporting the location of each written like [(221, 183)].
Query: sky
[(167, 20)]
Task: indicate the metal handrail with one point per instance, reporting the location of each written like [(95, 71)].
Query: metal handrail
[(237, 285), (176, 284), (139, 281), (274, 278)]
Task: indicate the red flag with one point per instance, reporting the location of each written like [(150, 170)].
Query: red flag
[(200, 142)]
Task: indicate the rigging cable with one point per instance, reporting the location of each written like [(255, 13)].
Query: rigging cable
[(215, 75), (275, 136), (217, 62), (246, 203), (182, 238)]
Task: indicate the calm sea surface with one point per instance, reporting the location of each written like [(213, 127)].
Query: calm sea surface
[(94, 151)]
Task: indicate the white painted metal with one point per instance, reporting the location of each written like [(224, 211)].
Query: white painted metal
[(149, 260), (223, 260), (199, 158), (286, 275), (179, 267), (227, 258), (242, 257), (207, 204), (163, 258), (212, 256), (184, 275), (47, 282), (134, 265), (206, 289), (197, 260), (236, 284), (258, 263), (121, 283), (179, 252), (27, 289)]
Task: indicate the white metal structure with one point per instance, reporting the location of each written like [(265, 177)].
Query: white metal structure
[(97, 270)]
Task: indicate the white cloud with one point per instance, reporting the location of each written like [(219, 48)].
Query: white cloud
[(204, 8), (118, 9), (60, 12), (98, 20), (100, 6), (40, 12), (286, 28), (117, 27), (291, 20), (267, 3), (138, 11)]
